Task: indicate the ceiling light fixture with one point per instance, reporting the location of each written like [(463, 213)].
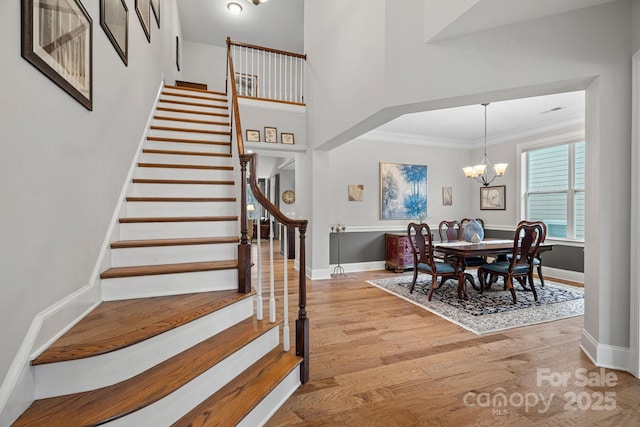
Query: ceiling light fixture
[(485, 172), (257, 2), (234, 8)]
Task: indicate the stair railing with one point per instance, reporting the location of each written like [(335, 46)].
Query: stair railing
[(248, 173), (268, 74)]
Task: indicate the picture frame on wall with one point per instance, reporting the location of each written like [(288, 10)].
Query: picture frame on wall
[(493, 198), (155, 7), (253, 135), (270, 134), (403, 191), (70, 64), (114, 20), (143, 10), (178, 53), (246, 84), (286, 138), (447, 196)]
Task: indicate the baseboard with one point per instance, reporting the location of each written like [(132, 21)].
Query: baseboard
[(17, 390), (602, 355), (573, 276)]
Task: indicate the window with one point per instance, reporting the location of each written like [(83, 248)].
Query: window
[(553, 188)]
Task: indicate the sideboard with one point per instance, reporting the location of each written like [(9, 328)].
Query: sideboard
[(399, 255)]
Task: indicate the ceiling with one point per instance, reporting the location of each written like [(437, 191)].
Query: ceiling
[(463, 127), (279, 24)]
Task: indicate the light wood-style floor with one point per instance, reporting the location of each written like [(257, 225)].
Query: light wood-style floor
[(377, 360)]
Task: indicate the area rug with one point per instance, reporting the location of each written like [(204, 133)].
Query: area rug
[(493, 310)]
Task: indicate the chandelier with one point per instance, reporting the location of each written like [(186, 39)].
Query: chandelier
[(485, 172)]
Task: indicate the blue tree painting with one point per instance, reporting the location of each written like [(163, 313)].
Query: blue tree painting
[(403, 191)]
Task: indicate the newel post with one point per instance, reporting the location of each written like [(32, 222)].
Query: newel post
[(244, 248), (302, 323)]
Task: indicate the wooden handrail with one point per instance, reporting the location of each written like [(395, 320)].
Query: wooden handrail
[(267, 49), (244, 248), (234, 97)]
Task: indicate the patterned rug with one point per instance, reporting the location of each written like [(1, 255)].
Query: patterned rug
[(492, 310)]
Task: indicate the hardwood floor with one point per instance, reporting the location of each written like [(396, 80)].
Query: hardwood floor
[(377, 360)]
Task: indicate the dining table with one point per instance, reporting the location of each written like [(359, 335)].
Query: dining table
[(490, 247)]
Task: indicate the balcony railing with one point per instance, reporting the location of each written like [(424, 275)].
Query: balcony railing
[(268, 74)]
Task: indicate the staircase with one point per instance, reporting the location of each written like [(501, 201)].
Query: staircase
[(173, 341)]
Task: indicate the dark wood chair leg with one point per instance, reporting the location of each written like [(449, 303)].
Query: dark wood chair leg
[(434, 286), (509, 284), (482, 278), (533, 288), (415, 277), (540, 275)]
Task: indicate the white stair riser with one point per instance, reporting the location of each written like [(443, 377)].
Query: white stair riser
[(223, 127), (202, 106), (273, 401), (155, 255), (169, 284), (169, 230), (186, 146), (180, 173), (168, 410), (190, 114), (177, 159), (182, 190), (164, 209), (115, 366), (217, 137), (189, 97)]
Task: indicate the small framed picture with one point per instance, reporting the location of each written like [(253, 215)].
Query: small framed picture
[(493, 198), (155, 7), (287, 138), (143, 9), (253, 135), (270, 134), (178, 52), (447, 196), (114, 20)]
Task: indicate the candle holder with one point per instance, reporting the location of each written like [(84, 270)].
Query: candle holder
[(338, 271)]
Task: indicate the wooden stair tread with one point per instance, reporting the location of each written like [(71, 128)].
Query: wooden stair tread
[(178, 166), (182, 181), (146, 243), (180, 199), (193, 89), (184, 153), (202, 122), (193, 104), (186, 95), (114, 325), (203, 113), (98, 406), (187, 141), (132, 220), (177, 129), (184, 267), (229, 405)]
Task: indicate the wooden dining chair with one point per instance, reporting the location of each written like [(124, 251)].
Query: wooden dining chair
[(538, 260), (423, 260), (526, 241), (449, 231)]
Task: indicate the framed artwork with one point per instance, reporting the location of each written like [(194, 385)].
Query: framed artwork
[(270, 134), (57, 39), (143, 9), (247, 85), (114, 20), (356, 192), (493, 198), (253, 135), (403, 191), (155, 7), (447, 196), (178, 53), (287, 138)]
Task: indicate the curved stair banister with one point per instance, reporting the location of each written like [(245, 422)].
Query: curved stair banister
[(244, 248)]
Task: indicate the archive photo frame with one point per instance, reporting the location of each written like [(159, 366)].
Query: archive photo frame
[(69, 64)]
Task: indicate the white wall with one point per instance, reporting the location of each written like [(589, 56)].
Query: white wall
[(546, 55), (63, 167), (203, 63), (444, 169)]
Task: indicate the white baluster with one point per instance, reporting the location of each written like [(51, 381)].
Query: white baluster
[(259, 309), (285, 329), (272, 294)]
